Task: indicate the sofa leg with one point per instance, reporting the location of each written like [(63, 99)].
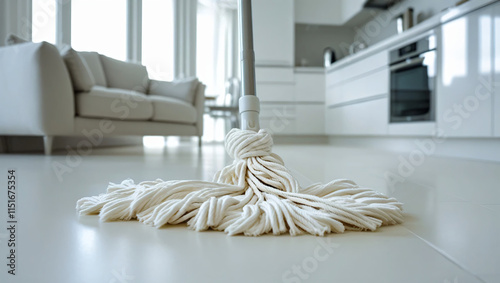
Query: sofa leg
[(47, 144), (3, 144), (200, 141)]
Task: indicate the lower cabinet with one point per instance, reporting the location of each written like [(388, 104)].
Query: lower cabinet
[(292, 103), (464, 102), (292, 118), (362, 118)]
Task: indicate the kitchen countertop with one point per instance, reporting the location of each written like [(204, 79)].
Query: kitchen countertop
[(413, 33)]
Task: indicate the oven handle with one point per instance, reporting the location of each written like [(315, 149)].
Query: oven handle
[(407, 63)]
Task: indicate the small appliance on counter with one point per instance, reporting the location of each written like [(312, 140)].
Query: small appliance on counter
[(329, 56), (356, 46), (405, 20)]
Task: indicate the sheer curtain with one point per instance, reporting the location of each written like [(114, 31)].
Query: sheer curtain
[(158, 38), (216, 54)]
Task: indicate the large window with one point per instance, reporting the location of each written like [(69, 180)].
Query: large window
[(158, 38), (100, 25), (43, 21), (216, 45)]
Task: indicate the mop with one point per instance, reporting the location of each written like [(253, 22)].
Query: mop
[(254, 195)]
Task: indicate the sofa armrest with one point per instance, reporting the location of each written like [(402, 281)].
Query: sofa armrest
[(35, 90), (199, 104)]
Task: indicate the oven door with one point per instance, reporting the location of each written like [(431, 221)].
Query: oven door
[(412, 89)]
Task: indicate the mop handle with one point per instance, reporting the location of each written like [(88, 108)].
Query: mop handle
[(249, 105)]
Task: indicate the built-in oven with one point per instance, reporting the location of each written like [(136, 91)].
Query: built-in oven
[(413, 81)]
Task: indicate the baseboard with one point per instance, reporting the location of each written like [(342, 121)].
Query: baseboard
[(487, 149)]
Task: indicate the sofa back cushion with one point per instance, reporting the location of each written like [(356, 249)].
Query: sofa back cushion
[(183, 89), (95, 66), (81, 77), (125, 75)]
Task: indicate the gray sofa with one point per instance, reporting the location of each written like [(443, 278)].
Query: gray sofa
[(43, 94)]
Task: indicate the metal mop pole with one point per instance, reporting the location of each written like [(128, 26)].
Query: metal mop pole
[(249, 105)]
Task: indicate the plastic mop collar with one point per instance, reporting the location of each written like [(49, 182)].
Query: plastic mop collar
[(254, 195)]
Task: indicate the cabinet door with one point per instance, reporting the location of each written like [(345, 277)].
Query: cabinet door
[(464, 109), (310, 87), (310, 119), (275, 84), (278, 118), (496, 78), (364, 118), (273, 31)]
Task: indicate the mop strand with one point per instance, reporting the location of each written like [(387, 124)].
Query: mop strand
[(254, 195)]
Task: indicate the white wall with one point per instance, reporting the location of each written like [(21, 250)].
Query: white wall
[(15, 17), (3, 22), (382, 25), (311, 40), (351, 8), (326, 12), (318, 11)]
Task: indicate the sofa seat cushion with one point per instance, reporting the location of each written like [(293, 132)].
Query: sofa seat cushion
[(167, 109), (112, 103)]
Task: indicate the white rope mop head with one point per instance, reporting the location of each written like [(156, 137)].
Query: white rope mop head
[(253, 196)]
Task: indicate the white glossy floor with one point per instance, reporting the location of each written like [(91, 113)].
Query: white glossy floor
[(451, 233)]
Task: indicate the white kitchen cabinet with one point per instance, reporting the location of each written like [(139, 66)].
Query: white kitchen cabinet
[(275, 84), (310, 87), (357, 97), (293, 118), (274, 75), (273, 31), (278, 118), (364, 119), (496, 68), (368, 85), (276, 92), (291, 103), (359, 80), (466, 66), (310, 119)]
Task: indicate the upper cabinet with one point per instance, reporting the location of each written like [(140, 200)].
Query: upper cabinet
[(464, 100), (273, 31), (326, 12)]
